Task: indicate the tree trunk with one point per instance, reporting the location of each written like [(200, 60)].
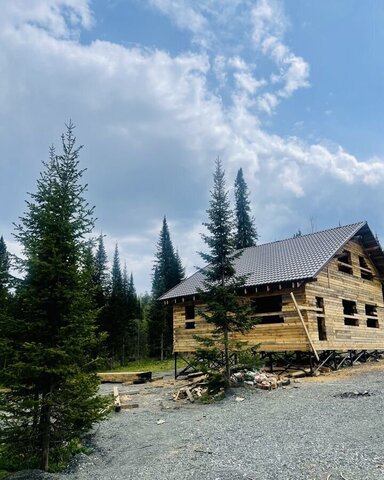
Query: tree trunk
[(45, 429), (162, 347), (226, 358)]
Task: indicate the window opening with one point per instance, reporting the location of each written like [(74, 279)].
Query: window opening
[(349, 308), (320, 303), (344, 262), (371, 310), (321, 328), (268, 309), (372, 323), (371, 313), (190, 317), (189, 312), (365, 271)]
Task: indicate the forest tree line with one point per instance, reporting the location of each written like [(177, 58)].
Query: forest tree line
[(69, 315), (132, 326)]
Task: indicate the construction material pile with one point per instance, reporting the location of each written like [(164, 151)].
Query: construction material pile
[(194, 390), (260, 379), (199, 386)]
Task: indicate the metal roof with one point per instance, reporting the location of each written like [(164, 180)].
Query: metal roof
[(293, 259)]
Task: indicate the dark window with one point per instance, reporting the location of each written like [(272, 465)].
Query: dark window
[(267, 309), (190, 317), (320, 303), (321, 328), (267, 304), (272, 319), (345, 262), (372, 323), (352, 322), (371, 310), (364, 269), (349, 308), (189, 312)]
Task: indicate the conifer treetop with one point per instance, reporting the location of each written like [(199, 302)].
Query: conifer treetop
[(246, 234)]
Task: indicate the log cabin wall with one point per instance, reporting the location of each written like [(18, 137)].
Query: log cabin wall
[(283, 334), (347, 303), (343, 310)]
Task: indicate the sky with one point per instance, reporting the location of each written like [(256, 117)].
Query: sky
[(291, 92)]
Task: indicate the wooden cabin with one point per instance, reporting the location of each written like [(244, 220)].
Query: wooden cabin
[(335, 276)]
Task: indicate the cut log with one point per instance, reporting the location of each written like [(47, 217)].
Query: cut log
[(125, 377), (116, 397), (128, 406)]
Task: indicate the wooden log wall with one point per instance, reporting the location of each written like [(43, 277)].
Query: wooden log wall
[(334, 286), (275, 337)]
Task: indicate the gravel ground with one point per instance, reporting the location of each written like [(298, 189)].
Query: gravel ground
[(302, 432)]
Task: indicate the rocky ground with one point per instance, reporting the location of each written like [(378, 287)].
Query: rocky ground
[(325, 428)]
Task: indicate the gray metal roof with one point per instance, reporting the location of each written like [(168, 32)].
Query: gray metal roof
[(293, 259)]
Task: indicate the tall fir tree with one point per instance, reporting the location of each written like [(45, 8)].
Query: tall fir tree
[(115, 314), (167, 272), (224, 308), (246, 234), (4, 303), (52, 397), (132, 315), (101, 277), (4, 267)]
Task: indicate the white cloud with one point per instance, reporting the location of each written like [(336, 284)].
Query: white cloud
[(269, 25), (152, 125), (186, 17), (60, 18), (267, 103)]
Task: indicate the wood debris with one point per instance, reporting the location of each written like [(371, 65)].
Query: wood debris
[(116, 399), (193, 390), (259, 379), (122, 401)]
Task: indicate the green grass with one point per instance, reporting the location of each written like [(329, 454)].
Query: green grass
[(150, 365), (3, 474)]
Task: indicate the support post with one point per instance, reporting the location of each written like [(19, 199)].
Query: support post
[(270, 355), (305, 327), (175, 365), (311, 363)]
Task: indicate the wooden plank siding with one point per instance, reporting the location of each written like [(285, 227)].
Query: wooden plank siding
[(333, 286), (288, 335)]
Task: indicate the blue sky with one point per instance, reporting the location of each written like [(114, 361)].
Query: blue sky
[(292, 92)]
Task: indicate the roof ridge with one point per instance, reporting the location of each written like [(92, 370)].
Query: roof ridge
[(363, 222), (290, 259)]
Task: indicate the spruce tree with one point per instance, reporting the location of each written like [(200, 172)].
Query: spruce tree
[(167, 272), (132, 314), (101, 278), (4, 268), (115, 312), (223, 307), (246, 234), (4, 302), (52, 397)]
